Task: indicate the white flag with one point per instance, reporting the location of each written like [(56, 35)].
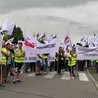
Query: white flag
[(93, 41), (9, 41), (5, 27), (49, 38), (67, 40), (11, 28)]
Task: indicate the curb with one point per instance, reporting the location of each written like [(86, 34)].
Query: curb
[(95, 82)]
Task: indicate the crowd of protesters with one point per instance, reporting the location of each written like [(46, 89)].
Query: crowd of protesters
[(65, 60)]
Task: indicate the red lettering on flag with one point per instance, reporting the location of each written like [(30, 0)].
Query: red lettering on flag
[(27, 43)]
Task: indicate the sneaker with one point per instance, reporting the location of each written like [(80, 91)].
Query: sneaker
[(39, 73), (21, 72), (59, 74), (18, 81), (27, 71), (72, 77), (11, 74), (7, 81), (45, 72), (14, 82)]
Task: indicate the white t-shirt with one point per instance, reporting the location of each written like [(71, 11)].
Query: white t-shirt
[(9, 58), (66, 55)]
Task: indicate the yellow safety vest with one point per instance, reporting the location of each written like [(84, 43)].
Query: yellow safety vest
[(21, 58), (71, 61), (4, 59), (61, 57), (97, 61), (45, 56), (74, 59), (56, 58)]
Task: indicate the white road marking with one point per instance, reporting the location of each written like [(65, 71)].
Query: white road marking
[(66, 76), (31, 75), (50, 75), (83, 77)]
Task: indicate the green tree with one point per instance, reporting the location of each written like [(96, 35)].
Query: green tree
[(5, 38), (17, 34)]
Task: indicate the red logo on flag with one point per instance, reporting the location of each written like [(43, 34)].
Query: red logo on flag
[(27, 43), (66, 39)]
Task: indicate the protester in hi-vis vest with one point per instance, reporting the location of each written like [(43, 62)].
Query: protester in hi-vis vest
[(4, 59), (67, 53), (71, 64), (60, 55), (46, 58), (19, 60), (8, 63)]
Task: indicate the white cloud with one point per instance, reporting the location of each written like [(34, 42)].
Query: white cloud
[(11, 5), (58, 20)]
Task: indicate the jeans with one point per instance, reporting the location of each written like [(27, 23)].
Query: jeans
[(26, 66), (44, 68)]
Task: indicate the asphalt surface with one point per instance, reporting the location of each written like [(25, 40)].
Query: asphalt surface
[(55, 87)]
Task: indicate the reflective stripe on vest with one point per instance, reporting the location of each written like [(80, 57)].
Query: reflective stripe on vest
[(71, 62), (97, 61), (56, 58), (21, 58), (4, 59), (45, 56), (74, 58)]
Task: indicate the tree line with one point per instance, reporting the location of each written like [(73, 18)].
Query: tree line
[(17, 34)]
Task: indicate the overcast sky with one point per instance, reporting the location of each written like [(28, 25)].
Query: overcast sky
[(55, 16)]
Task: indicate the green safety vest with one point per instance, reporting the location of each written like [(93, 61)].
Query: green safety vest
[(45, 56), (97, 61), (74, 59), (56, 58), (71, 62), (4, 59), (61, 58), (21, 58), (12, 56)]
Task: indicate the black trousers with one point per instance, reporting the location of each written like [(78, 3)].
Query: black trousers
[(32, 66), (59, 66), (56, 64), (88, 63), (46, 61), (81, 65), (62, 64), (51, 65), (97, 67), (66, 65)]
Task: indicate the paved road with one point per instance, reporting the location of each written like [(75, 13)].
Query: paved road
[(51, 85)]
